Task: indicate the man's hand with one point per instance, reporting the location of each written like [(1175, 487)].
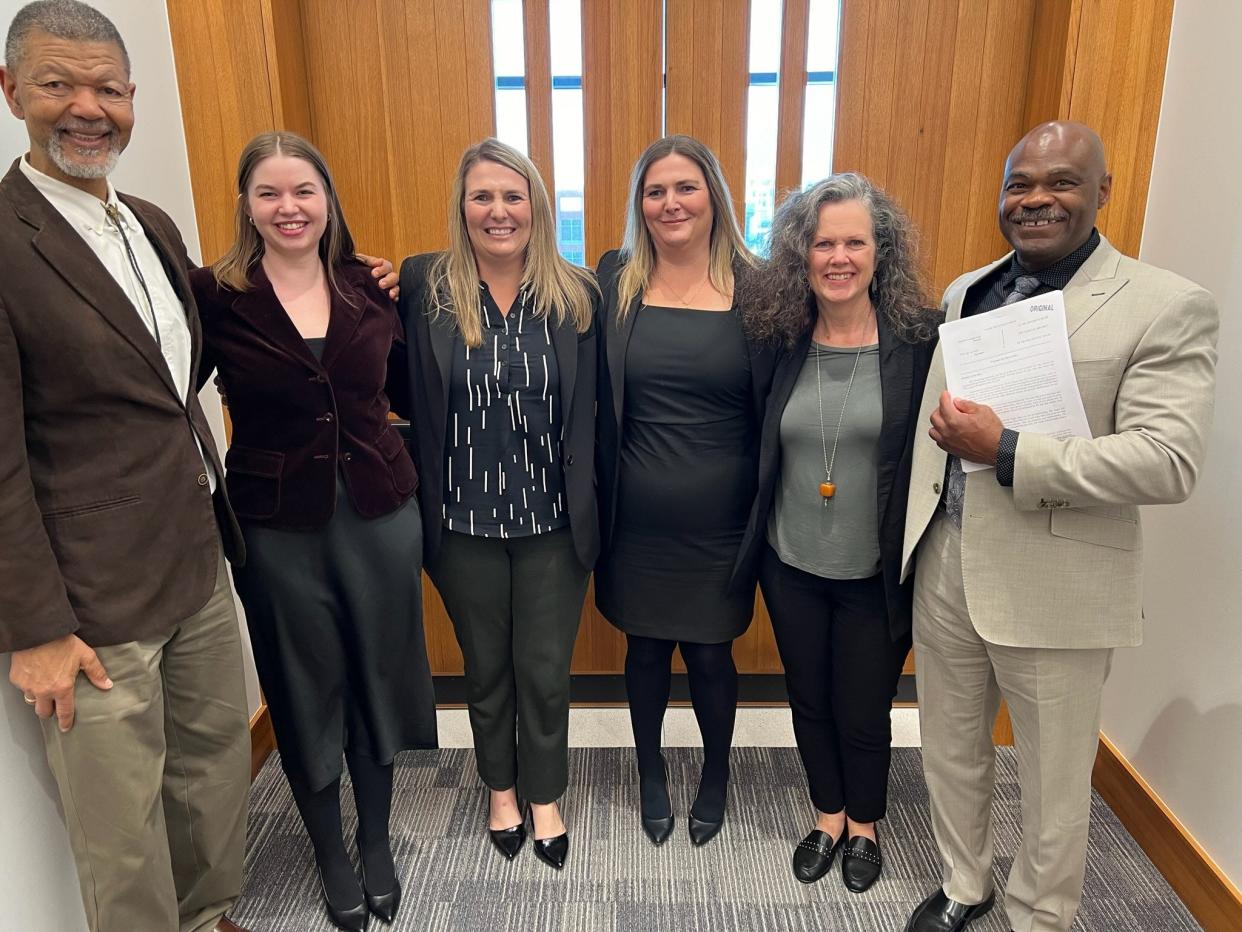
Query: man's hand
[(966, 430), (382, 271), (47, 674)]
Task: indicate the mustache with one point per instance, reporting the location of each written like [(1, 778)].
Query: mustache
[(75, 125), (1022, 214)]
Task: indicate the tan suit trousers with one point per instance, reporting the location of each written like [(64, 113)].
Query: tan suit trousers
[(154, 774), (1053, 697)]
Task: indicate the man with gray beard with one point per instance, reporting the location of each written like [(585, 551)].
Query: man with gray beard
[(114, 597)]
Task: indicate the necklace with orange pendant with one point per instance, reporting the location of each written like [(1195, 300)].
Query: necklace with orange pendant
[(828, 488)]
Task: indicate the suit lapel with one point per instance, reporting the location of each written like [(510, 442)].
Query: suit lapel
[(565, 346), (70, 258), (1092, 286), (343, 323), (442, 335), (262, 310), (896, 384), (618, 344)]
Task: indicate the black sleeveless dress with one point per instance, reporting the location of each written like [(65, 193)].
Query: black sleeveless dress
[(689, 459)]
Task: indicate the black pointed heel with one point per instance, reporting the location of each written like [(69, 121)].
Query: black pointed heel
[(383, 905), (553, 851), (353, 919)]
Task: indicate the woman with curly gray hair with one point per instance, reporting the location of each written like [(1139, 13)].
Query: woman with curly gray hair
[(842, 293)]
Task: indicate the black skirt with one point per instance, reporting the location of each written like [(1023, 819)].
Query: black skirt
[(336, 622)]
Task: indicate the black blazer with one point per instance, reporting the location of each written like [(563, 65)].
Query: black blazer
[(903, 372), (430, 359), (296, 419), (614, 342)]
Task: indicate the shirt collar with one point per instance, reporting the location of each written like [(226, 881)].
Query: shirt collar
[(1057, 275), (79, 207)]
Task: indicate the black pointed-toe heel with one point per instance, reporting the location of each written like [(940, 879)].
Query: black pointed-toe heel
[(353, 919), (552, 851), (383, 905), (658, 828), (508, 841), (703, 831)]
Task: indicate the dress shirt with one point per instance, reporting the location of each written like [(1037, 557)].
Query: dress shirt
[(85, 213), (503, 475)]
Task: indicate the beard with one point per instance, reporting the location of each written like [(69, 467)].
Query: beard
[(89, 165)]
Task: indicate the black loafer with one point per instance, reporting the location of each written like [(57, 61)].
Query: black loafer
[(861, 863), (938, 913), (812, 858), (508, 841), (552, 851)]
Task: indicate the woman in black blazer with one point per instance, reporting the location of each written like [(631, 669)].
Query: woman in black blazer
[(502, 373), (681, 400), (841, 292), (323, 489)]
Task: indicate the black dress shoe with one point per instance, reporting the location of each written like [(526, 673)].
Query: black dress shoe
[(383, 905), (508, 841), (353, 919), (861, 863), (654, 793), (938, 913), (552, 851), (702, 831), (812, 858)]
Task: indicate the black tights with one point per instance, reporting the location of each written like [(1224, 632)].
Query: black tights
[(713, 693), (321, 814)]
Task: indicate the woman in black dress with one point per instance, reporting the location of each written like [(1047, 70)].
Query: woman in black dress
[(681, 397), (502, 356), (322, 486), (841, 292)]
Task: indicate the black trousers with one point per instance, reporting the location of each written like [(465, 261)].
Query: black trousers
[(515, 604), (841, 670)]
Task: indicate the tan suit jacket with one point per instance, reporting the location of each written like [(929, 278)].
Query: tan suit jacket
[(1055, 560), (107, 524)]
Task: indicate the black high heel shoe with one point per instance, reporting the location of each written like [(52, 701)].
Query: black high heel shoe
[(658, 828), (704, 830), (508, 841), (383, 905), (353, 919), (553, 851)]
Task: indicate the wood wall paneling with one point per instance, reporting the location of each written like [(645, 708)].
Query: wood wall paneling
[(539, 90), (286, 65), (706, 89), (222, 77), (622, 96), (791, 95)]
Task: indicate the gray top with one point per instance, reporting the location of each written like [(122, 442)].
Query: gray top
[(836, 538)]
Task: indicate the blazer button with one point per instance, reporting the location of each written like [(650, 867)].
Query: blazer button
[(202, 478), (327, 418), (936, 487), (347, 457), (569, 460)]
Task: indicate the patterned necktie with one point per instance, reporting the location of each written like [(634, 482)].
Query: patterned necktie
[(955, 479)]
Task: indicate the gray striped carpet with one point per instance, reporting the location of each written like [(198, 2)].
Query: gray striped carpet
[(616, 880)]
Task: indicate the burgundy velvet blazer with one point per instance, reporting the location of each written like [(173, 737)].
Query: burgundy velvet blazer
[(297, 420)]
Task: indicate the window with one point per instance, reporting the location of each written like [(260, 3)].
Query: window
[(509, 66), (762, 108), (820, 116)]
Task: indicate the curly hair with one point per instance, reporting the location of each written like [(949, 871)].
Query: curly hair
[(777, 301)]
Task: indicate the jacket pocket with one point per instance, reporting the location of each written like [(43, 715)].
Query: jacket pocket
[(253, 481), (392, 448), (91, 508), (1119, 531)]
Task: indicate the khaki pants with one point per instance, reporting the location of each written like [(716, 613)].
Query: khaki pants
[(1054, 701), (154, 774)]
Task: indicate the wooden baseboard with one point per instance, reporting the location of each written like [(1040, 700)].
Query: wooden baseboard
[(262, 739), (1209, 895)]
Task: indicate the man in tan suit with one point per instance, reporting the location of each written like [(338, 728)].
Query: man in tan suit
[(1028, 574), (114, 598)]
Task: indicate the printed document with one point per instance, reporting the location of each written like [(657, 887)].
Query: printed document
[(1016, 360)]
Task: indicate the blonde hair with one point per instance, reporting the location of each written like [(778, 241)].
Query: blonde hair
[(336, 246), (728, 246), (559, 288)]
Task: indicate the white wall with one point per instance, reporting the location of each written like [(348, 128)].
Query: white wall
[(1174, 706), (38, 886)]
